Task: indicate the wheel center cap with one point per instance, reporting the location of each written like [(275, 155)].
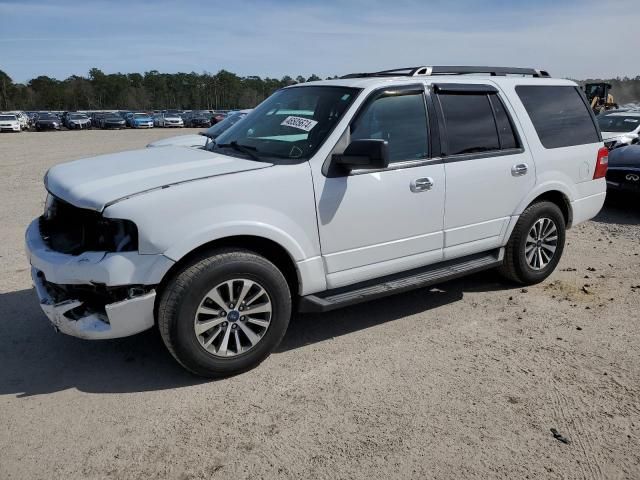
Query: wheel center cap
[(233, 316), (539, 243)]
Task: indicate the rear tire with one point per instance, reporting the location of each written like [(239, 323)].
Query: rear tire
[(536, 244), (214, 340)]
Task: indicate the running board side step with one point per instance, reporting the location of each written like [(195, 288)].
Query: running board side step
[(400, 282)]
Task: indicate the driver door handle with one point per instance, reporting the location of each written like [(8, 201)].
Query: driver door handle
[(422, 184)]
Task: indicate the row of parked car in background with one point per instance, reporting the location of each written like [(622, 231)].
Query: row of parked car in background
[(17, 121)]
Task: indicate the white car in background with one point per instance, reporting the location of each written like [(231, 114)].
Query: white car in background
[(167, 120), (619, 129), (9, 123), (199, 140), (22, 118)]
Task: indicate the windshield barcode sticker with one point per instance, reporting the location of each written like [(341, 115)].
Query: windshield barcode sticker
[(300, 123)]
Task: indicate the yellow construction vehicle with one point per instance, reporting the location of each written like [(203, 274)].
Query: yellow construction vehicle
[(599, 97)]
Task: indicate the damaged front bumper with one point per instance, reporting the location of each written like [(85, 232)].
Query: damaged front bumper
[(95, 295), (73, 317)]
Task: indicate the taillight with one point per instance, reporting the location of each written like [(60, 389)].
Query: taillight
[(602, 163)]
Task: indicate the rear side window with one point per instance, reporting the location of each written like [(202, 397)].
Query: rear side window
[(506, 133), (469, 123), (559, 114)]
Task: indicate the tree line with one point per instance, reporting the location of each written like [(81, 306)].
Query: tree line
[(135, 91), (155, 90)]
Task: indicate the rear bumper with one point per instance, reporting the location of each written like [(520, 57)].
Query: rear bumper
[(71, 316), (587, 207)]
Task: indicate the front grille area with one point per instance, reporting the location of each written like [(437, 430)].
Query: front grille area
[(624, 176), (68, 229)]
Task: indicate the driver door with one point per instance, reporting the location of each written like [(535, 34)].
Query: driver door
[(375, 223)]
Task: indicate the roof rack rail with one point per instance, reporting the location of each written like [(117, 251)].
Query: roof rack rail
[(450, 70)]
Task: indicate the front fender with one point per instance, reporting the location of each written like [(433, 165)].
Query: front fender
[(233, 229)]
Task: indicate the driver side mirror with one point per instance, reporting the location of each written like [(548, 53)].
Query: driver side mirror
[(369, 154)]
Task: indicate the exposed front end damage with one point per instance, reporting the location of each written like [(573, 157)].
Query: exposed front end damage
[(87, 293), (85, 311)]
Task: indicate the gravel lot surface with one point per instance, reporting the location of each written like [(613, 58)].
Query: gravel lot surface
[(461, 381)]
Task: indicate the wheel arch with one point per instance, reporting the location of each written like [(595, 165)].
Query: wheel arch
[(555, 192), (561, 200), (557, 196), (270, 249)]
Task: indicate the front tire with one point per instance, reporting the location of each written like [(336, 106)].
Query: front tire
[(224, 313), (536, 244)]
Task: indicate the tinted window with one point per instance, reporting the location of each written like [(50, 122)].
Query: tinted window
[(469, 123), (508, 138), (559, 115), (399, 119)]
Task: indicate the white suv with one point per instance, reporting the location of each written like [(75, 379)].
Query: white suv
[(327, 194)]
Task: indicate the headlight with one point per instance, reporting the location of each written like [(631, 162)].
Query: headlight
[(72, 230)]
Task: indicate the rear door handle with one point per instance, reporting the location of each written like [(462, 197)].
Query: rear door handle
[(422, 184), (519, 170)]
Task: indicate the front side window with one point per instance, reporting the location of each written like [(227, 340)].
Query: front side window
[(469, 123), (289, 126), (559, 115), (400, 119)]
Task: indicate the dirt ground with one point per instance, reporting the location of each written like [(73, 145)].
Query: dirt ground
[(460, 381)]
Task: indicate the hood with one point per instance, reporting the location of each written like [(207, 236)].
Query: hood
[(618, 135), (181, 141), (94, 183), (625, 156)]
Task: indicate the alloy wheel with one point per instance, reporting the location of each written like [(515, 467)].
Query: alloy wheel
[(541, 243), (233, 317)]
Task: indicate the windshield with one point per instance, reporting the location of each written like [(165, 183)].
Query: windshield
[(77, 116), (47, 116), (8, 117), (611, 123), (289, 125), (141, 115)]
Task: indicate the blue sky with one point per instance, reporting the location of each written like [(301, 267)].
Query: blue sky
[(570, 38)]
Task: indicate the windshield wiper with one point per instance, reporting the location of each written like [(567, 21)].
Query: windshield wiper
[(246, 149)]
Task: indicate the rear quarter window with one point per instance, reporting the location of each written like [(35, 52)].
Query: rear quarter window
[(559, 115)]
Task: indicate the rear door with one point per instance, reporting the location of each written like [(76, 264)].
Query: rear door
[(488, 172)]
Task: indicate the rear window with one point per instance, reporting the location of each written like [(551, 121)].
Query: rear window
[(559, 114)]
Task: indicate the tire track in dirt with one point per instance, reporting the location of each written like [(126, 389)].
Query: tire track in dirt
[(562, 406)]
